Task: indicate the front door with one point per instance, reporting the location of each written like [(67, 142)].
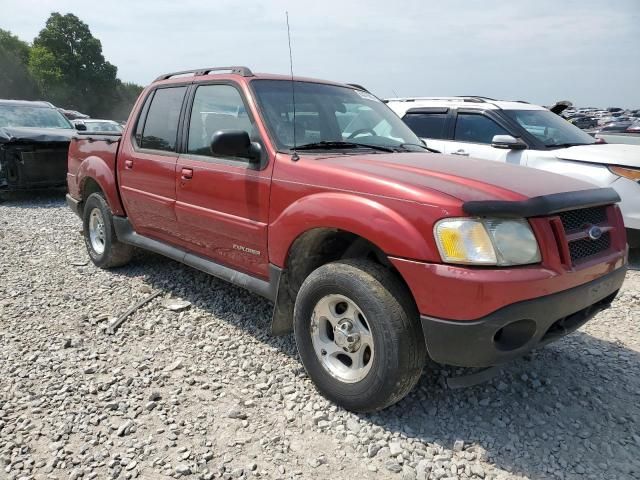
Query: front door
[(222, 203), (147, 165)]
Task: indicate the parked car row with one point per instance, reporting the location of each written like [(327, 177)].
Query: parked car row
[(375, 250), (613, 119), (622, 125)]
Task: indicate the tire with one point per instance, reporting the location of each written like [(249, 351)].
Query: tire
[(633, 238), (105, 250), (386, 323)]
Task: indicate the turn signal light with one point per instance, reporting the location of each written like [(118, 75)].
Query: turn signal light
[(630, 173)]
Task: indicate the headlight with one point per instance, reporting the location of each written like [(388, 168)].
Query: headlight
[(490, 241)]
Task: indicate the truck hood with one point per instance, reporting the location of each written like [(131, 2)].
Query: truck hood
[(606, 153), (415, 176), (35, 135)]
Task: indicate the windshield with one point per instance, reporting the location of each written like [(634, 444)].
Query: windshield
[(549, 128), (328, 113), (33, 117), (103, 127)]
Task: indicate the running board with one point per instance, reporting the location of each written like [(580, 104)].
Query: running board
[(268, 289)]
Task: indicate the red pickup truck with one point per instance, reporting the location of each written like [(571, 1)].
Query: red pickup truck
[(376, 252)]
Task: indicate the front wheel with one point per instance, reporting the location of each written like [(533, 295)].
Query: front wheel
[(633, 238), (358, 335), (104, 248)]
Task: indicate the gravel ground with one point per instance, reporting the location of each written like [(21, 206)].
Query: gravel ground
[(204, 392)]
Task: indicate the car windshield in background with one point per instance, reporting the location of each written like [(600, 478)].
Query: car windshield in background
[(549, 128), (32, 117), (328, 115), (107, 127)]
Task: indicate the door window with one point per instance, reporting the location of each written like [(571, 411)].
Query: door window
[(427, 125), (476, 128), (215, 107), (160, 129)]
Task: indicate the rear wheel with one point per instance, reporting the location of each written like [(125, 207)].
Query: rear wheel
[(357, 333), (105, 250)]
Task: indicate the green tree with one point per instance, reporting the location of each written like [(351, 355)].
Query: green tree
[(16, 81), (13, 44), (127, 94), (67, 62)]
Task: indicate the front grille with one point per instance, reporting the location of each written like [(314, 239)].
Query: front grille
[(578, 219), (586, 247)]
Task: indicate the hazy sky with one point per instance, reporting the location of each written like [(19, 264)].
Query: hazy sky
[(537, 50)]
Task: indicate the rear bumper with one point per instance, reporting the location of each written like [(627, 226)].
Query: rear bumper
[(516, 329), (74, 205)]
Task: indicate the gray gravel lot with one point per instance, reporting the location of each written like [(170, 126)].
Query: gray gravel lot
[(204, 392)]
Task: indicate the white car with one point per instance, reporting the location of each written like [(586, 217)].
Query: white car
[(95, 125), (529, 135)]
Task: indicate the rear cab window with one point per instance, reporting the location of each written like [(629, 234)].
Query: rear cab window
[(158, 129)]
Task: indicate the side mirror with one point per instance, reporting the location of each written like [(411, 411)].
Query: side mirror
[(235, 143), (81, 127), (508, 142)]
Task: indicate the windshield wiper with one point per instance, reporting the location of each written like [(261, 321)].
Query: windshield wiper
[(337, 145), (567, 145), (404, 145)]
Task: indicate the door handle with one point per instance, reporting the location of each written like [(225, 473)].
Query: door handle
[(187, 173), (128, 164), (460, 152)]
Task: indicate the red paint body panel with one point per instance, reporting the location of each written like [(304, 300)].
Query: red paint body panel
[(468, 293), (248, 218), (223, 212), (456, 292), (148, 191), (97, 161)]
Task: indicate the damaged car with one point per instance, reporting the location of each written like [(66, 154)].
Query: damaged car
[(34, 141)]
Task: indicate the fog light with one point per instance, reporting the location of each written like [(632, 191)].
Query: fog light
[(515, 334)]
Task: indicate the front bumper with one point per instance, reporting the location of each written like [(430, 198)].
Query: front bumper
[(26, 166), (516, 329)]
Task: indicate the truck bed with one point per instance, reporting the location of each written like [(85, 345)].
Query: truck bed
[(90, 145)]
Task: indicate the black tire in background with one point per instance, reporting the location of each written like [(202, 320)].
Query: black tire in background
[(392, 319), (115, 253)]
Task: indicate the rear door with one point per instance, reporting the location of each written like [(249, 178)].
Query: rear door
[(473, 133), (431, 124), (222, 202), (147, 164)]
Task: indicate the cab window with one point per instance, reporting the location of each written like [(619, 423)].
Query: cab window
[(427, 125), (215, 108), (160, 130), (476, 128)]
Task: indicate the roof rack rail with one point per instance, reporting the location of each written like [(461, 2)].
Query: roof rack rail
[(479, 97), (237, 70), (460, 98)]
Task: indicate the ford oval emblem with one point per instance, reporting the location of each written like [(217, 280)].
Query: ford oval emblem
[(595, 233)]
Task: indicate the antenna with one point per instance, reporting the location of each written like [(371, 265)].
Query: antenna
[(295, 156)]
